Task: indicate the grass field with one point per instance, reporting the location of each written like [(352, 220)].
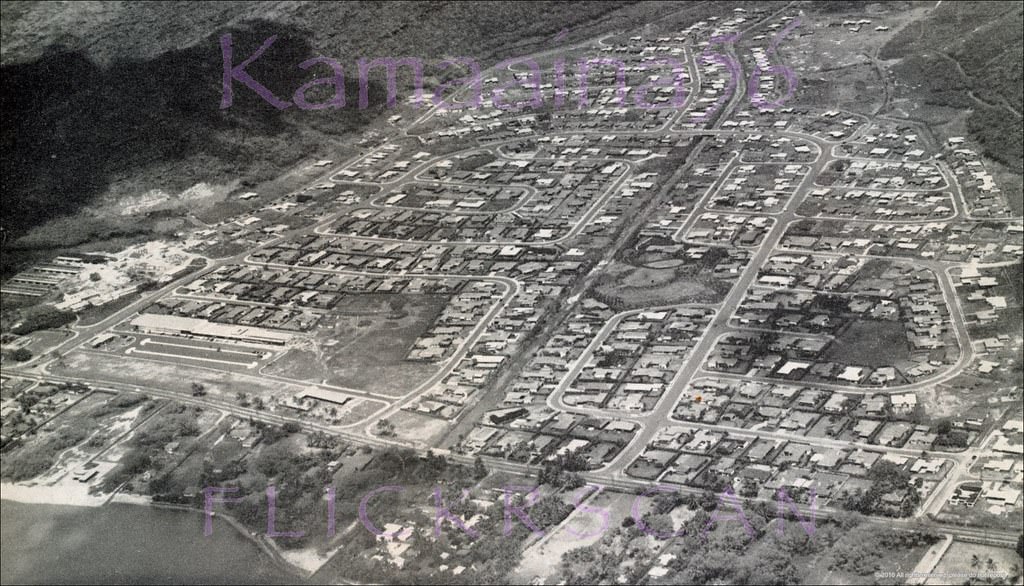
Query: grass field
[(44, 340), (95, 314), (626, 286), (415, 427), (870, 343), (363, 344), (959, 558)]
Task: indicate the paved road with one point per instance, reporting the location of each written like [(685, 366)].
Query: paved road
[(627, 485), (654, 420)]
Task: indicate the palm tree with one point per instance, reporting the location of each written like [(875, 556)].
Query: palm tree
[(975, 561)]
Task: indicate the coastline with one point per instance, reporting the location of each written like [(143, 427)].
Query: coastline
[(63, 494), (301, 563)]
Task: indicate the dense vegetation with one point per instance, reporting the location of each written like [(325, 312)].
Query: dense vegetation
[(42, 318), (714, 548), (29, 463), (967, 55), (130, 99), (892, 493)]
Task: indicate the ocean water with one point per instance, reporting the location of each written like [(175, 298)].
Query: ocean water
[(125, 544)]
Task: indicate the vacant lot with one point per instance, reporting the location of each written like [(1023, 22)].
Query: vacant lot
[(135, 370), (44, 340), (579, 529), (364, 342), (964, 558), (415, 427), (870, 343), (71, 437), (627, 287)]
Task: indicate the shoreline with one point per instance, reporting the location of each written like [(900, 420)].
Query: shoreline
[(303, 563), (57, 494)]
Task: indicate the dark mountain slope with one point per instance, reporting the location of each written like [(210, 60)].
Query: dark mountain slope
[(110, 100)]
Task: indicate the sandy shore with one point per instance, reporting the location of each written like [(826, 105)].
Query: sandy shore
[(61, 493), (132, 499), (307, 560)]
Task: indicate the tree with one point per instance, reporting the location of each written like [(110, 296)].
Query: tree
[(319, 439), (44, 318), (918, 415), (479, 470), (397, 305), (136, 461), (385, 428), (21, 355), (748, 489), (188, 427), (436, 464), (957, 438), (572, 481), (198, 389)]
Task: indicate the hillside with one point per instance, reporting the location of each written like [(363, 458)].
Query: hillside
[(967, 55), (108, 101)]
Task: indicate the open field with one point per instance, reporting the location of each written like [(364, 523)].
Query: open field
[(416, 427), (626, 287), (44, 340), (95, 314), (960, 559), (172, 377), (580, 529), (363, 344), (870, 343)]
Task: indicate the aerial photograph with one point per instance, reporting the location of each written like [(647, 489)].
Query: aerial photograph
[(494, 292)]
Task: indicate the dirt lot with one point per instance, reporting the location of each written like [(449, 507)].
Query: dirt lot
[(415, 427), (363, 345), (172, 377)]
